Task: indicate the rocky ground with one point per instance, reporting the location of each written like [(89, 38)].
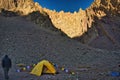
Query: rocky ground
[(27, 43)]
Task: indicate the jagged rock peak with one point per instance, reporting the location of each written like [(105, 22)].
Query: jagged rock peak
[(106, 6), (9, 4), (23, 6)]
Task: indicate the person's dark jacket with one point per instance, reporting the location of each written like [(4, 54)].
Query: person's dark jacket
[(6, 62)]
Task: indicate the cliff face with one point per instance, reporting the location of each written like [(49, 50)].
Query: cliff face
[(73, 24), (7, 4), (109, 7), (24, 7), (76, 24)]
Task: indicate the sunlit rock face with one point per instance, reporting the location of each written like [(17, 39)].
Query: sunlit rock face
[(24, 7), (7, 4), (76, 24)]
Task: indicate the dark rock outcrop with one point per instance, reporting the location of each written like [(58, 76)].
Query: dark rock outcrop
[(43, 20)]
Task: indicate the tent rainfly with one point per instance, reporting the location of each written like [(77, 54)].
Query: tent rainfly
[(43, 66)]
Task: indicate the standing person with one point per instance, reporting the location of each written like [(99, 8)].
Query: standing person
[(6, 64)]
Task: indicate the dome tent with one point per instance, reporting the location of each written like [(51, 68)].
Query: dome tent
[(43, 66)]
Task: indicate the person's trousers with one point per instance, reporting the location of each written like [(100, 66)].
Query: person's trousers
[(6, 70)]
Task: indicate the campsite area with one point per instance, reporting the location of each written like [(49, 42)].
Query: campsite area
[(28, 44)]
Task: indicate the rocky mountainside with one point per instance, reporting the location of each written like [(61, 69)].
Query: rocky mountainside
[(106, 17), (76, 24), (28, 9), (97, 26), (94, 26)]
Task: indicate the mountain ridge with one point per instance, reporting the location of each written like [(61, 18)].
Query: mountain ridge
[(82, 25)]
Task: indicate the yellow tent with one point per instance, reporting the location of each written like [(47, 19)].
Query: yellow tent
[(43, 66)]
